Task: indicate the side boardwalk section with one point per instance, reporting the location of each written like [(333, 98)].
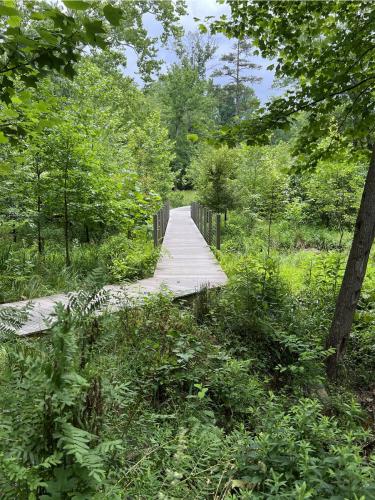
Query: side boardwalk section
[(185, 266)]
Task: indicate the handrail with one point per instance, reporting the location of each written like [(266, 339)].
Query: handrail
[(208, 222), (160, 222)]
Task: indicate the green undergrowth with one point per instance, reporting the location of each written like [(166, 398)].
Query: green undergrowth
[(25, 274), (311, 267), (219, 400)]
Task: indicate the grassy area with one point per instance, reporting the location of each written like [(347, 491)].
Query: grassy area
[(25, 274), (182, 198)]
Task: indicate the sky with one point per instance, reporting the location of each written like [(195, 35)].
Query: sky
[(200, 9)]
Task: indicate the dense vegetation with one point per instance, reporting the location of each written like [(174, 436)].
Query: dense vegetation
[(230, 394)]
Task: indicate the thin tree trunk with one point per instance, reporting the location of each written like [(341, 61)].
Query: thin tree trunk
[(355, 271), (238, 79), (39, 209), (66, 220), (87, 233)]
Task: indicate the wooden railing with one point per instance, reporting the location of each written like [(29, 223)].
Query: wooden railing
[(160, 223), (208, 222)]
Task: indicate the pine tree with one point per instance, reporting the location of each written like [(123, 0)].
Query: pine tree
[(236, 68)]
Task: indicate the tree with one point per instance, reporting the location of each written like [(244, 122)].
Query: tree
[(333, 190), (39, 38), (188, 110), (261, 179), (226, 103), (196, 50), (326, 48), (151, 155), (236, 69), (212, 173)]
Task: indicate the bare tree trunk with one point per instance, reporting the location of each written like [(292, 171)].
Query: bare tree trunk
[(238, 79), (39, 209), (87, 231), (355, 271), (66, 219)]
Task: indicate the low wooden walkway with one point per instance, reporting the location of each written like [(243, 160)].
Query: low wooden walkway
[(185, 266)]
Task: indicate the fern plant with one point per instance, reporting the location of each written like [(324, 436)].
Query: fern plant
[(51, 414)]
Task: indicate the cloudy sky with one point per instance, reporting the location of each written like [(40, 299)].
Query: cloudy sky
[(201, 9)]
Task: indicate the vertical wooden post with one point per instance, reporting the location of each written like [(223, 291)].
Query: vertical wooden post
[(218, 231), (155, 230), (209, 227), (205, 223)]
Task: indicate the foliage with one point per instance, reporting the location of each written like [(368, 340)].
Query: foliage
[(235, 71), (182, 198), (188, 110), (148, 403), (54, 447), (262, 181), (40, 39), (25, 274), (317, 40), (212, 173), (333, 191)]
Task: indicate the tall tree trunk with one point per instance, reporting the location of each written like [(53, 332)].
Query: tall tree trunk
[(355, 271), (39, 209), (87, 231), (66, 219), (238, 79)]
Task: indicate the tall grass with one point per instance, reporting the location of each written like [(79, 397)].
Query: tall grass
[(25, 274)]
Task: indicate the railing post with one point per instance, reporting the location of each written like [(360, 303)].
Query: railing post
[(209, 227), (218, 231), (205, 223), (155, 229)]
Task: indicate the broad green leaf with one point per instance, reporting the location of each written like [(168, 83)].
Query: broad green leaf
[(6, 10), (14, 21), (112, 14), (77, 4), (4, 168), (3, 139), (192, 137), (94, 27)]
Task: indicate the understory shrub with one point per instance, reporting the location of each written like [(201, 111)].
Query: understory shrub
[(149, 403)]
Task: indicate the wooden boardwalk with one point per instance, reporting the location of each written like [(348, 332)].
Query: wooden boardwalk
[(185, 266)]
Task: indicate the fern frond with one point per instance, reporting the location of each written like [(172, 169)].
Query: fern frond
[(11, 320)]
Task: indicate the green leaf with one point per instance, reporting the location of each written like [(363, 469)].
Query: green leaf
[(77, 4), (3, 139), (4, 168), (14, 21), (6, 10), (192, 137), (112, 14), (94, 27)]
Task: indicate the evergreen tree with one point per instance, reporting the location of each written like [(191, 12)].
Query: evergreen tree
[(236, 69)]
